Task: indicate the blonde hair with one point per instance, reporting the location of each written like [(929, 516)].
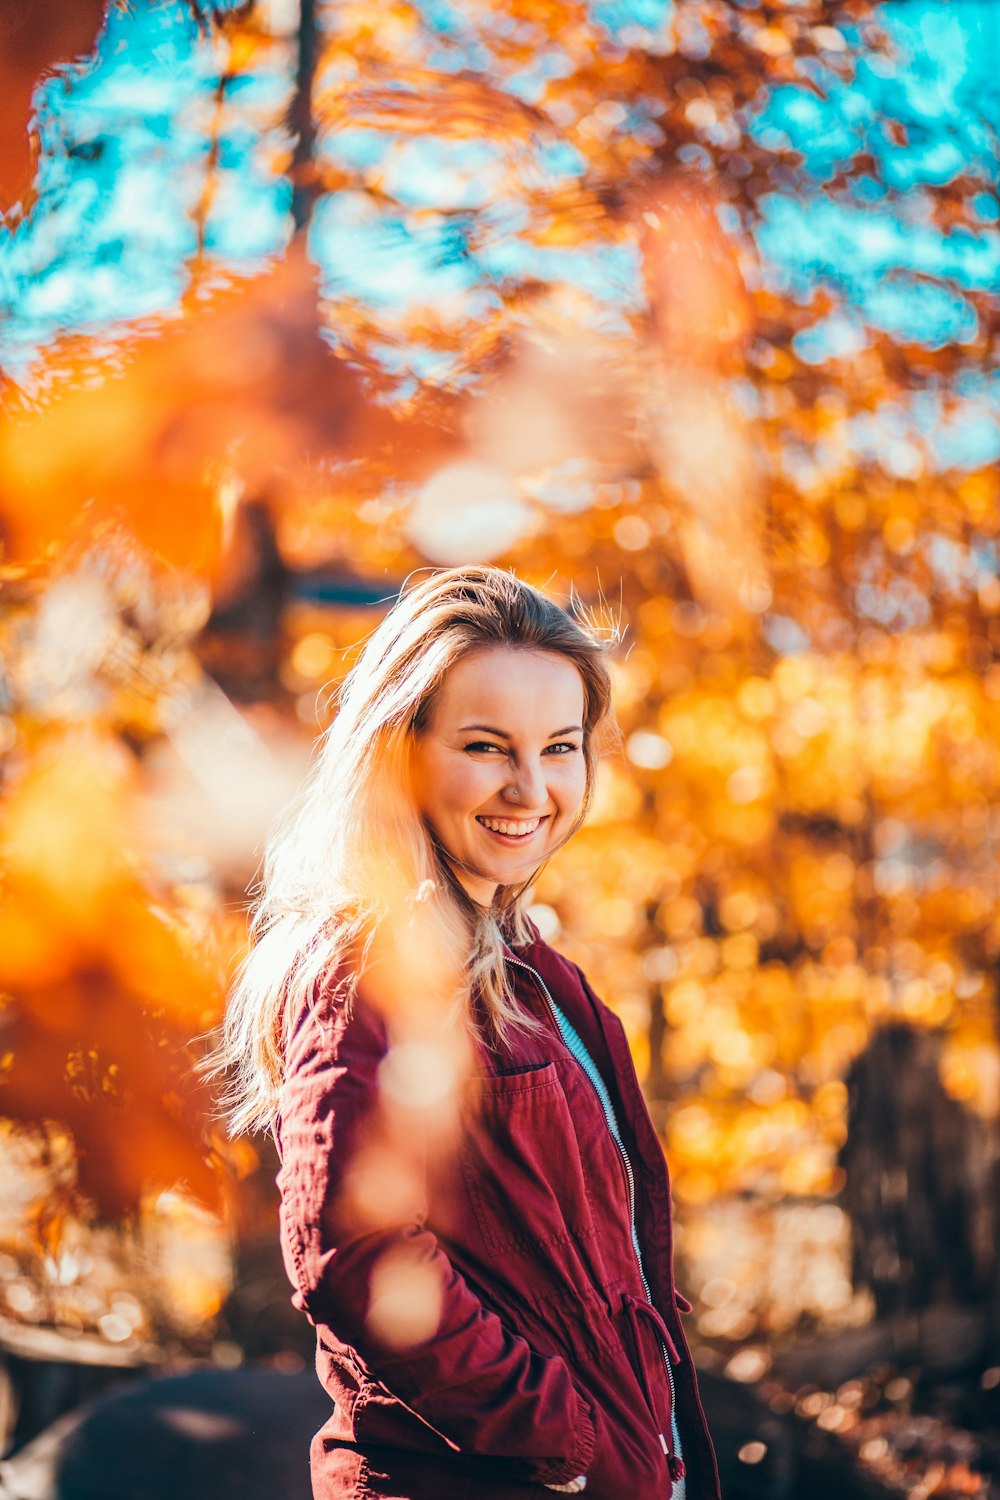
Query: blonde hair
[(354, 834)]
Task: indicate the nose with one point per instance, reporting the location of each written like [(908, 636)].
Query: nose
[(526, 787)]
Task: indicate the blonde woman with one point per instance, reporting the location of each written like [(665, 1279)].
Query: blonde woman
[(475, 1208)]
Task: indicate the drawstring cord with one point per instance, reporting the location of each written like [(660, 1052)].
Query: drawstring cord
[(649, 1311), (634, 1310)]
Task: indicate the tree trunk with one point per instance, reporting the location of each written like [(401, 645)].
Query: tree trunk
[(917, 1167)]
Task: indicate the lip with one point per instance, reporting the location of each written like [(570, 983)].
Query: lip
[(514, 840)]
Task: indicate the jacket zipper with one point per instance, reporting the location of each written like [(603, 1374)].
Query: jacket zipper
[(629, 1179)]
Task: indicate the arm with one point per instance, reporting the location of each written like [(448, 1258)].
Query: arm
[(474, 1381)]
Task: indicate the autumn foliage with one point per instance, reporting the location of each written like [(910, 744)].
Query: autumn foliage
[(525, 315)]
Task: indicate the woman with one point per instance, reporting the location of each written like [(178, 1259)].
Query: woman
[(475, 1209)]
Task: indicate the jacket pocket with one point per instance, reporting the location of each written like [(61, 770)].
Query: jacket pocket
[(382, 1419), (521, 1163)]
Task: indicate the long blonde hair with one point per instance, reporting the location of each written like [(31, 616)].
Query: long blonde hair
[(353, 833)]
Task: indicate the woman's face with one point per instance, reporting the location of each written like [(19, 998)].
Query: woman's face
[(498, 771)]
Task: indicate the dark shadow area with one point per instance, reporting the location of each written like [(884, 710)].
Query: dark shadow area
[(203, 1435)]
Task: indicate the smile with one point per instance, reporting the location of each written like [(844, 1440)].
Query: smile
[(509, 829)]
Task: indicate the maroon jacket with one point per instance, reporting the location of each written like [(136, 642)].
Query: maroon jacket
[(548, 1359)]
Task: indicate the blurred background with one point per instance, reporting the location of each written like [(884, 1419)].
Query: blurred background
[(691, 306)]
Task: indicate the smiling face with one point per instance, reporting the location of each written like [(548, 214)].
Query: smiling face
[(498, 770)]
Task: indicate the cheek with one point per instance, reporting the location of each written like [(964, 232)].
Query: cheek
[(453, 786), (572, 785), (457, 790)]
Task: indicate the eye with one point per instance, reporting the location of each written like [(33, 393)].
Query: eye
[(484, 745), (564, 745)]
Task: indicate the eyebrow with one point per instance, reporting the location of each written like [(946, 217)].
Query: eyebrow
[(489, 729)]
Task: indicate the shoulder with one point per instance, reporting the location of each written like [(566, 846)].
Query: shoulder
[(558, 971), (333, 1012)]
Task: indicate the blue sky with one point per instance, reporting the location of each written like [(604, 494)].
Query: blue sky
[(122, 166), (125, 152), (879, 247)]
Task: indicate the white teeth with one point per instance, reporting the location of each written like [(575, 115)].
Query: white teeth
[(499, 826)]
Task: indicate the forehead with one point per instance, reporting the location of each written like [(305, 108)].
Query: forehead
[(510, 689)]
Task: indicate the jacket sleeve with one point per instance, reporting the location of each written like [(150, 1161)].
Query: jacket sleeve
[(477, 1383)]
